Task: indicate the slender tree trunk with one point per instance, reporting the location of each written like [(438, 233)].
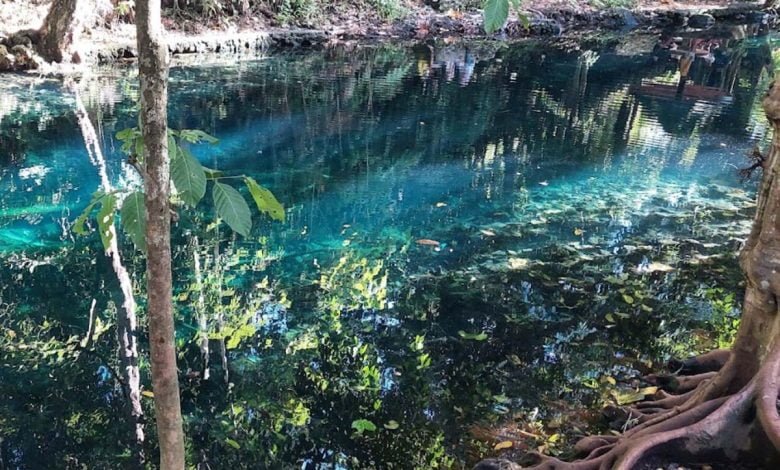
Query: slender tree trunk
[(153, 73), (127, 321), (203, 326), (57, 32)]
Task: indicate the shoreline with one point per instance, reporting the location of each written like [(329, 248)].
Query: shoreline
[(107, 46)]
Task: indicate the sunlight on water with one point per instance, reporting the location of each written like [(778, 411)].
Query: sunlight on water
[(473, 233)]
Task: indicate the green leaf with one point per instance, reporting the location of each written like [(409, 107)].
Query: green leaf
[(188, 177), (392, 424), (127, 134), (173, 149), (361, 425), (213, 174), (79, 226), (232, 208), (105, 219), (495, 13), (139, 148), (265, 200), (195, 136), (232, 443), (134, 219)]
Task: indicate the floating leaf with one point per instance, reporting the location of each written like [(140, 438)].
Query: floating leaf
[(633, 397), (134, 219), (361, 425), (148, 393), (427, 242), (232, 443), (441, 204), (488, 233), (265, 200), (578, 231), (232, 208), (391, 425), (482, 336), (188, 177), (503, 445)]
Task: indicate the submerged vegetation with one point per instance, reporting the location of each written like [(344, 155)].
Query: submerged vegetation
[(481, 245)]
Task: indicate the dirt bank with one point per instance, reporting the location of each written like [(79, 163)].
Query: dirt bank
[(106, 36)]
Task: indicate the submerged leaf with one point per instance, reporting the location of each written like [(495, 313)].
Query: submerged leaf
[(503, 445), (361, 425)]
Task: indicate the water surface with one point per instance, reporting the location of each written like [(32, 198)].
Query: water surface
[(478, 239)]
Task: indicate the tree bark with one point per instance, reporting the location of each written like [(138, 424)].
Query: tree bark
[(57, 32), (153, 74)]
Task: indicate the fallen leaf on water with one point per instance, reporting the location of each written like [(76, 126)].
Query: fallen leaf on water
[(427, 242), (148, 393), (503, 445), (578, 231), (473, 336), (441, 204), (488, 233), (633, 397)]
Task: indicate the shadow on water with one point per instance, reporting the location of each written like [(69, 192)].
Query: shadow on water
[(484, 244)]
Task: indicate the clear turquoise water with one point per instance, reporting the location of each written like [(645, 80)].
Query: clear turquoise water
[(515, 191)]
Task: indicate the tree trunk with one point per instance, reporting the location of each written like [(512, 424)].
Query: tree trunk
[(57, 32), (127, 320), (153, 74)]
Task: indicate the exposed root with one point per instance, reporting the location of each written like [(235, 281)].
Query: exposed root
[(766, 401), (712, 361), (666, 403), (679, 383)]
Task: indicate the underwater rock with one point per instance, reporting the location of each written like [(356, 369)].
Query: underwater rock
[(25, 58), (701, 21), (7, 59)]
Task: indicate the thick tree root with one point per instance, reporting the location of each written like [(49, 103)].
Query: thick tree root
[(683, 427)]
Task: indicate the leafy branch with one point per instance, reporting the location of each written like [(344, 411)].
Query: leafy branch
[(496, 12), (189, 178)]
